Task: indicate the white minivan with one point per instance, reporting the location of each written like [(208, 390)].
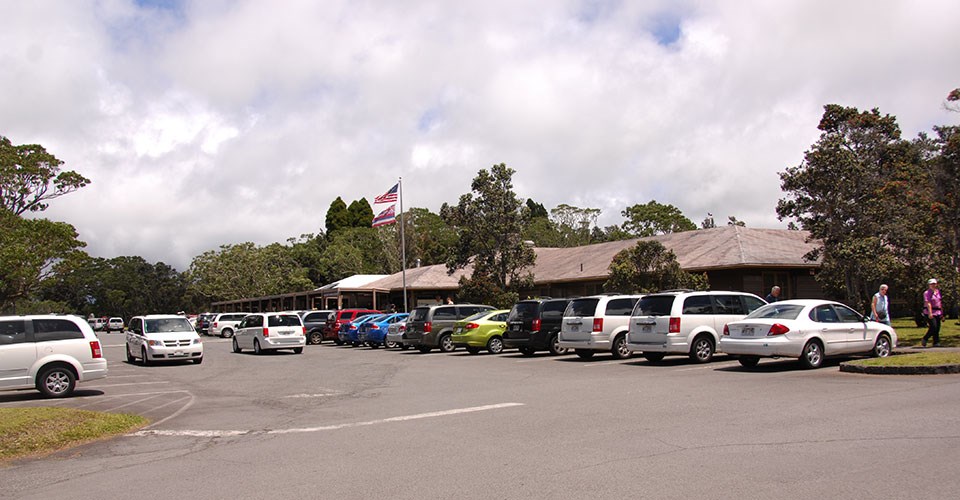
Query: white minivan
[(597, 324), (50, 353), (163, 337)]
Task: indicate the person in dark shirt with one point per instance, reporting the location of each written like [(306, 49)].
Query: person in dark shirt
[(774, 294)]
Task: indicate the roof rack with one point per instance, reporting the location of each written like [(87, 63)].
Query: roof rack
[(676, 290)]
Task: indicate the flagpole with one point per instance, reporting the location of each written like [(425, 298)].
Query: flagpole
[(403, 243)]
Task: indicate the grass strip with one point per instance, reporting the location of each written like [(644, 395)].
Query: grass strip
[(38, 431), (917, 359)]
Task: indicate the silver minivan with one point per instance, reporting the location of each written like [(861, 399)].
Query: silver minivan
[(686, 322), (597, 323)]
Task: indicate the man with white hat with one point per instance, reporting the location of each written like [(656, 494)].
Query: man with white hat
[(933, 308)]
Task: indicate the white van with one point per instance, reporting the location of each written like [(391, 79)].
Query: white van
[(163, 337), (597, 323)]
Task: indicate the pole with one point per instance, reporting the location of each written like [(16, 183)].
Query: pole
[(403, 243)]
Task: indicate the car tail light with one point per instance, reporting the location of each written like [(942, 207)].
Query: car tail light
[(402, 328), (472, 326), (214, 324), (726, 330), (95, 349), (304, 331), (777, 329), (266, 332), (427, 327), (536, 325), (598, 324), (674, 325)]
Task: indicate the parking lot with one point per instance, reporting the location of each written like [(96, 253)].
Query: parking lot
[(342, 422)]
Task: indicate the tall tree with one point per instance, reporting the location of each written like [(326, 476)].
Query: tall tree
[(650, 267), (30, 176), (360, 213), (490, 220), (650, 219), (574, 223), (245, 270), (338, 217)]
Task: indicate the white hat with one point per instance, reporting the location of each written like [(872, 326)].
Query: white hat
[(932, 281)]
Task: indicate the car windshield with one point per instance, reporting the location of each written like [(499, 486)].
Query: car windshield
[(158, 325), (283, 320), (776, 311), (523, 311), (477, 316)]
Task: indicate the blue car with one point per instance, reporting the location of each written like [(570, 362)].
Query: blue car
[(374, 332), (350, 332)]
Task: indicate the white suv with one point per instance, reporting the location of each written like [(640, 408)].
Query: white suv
[(597, 323), (686, 322), (114, 325), (164, 337), (224, 324), (49, 353), (263, 331)]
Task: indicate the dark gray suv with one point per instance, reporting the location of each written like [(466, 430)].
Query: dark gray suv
[(431, 326)]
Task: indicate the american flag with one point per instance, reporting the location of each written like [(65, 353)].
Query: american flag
[(388, 216), (388, 197)]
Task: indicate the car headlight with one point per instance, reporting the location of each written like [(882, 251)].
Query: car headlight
[(197, 341), (155, 343)]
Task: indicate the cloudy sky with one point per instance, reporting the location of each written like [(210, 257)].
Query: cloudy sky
[(209, 122)]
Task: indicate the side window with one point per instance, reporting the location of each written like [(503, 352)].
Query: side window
[(729, 304), (824, 314), (500, 317), (48, 330), (698, 304), (553, 311), (750, 303), (468, 311), (620, 307), (256, 321), (847, 315), (136, 325), (444, 313), (12, 332)]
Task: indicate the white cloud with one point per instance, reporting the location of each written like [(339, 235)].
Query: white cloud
[(227, 121)]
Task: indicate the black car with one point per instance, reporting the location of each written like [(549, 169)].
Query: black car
[(533, 325), (313, 322)]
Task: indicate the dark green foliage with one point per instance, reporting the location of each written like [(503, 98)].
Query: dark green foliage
[(338, 217), (535, 210), (30, 176), (650, 267), (652, 218), (360, 213)]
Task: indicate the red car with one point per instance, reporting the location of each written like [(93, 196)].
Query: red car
[(332, 328)]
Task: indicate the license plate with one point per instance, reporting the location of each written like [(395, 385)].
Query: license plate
[(647, 328), (178, 353), (285, 332), (574, 328), (747, 331), (515, 328)]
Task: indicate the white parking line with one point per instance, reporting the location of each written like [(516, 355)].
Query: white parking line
[(226, 433), (321, 395), (120, 385)]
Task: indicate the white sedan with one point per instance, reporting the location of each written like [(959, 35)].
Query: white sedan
[(807, 330)]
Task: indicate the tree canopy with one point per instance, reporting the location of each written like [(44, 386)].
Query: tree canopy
[(650, 267), (30, 176), (652, 218)]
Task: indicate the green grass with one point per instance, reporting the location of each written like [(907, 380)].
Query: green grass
[(918, 359), (38, 431), (909, 334)]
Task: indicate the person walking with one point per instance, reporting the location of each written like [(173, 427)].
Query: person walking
[(933, 308), (880, 306), (774, 295)]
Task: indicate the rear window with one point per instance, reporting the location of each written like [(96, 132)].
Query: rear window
[(654, 305), (283, 320), (419, 314), (47, 330), (477, 316), (523, 311), (621, 307), (776, 311), (582, 307), (167, 325)]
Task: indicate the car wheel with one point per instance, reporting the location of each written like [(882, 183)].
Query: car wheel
[(424, 349), (390, 345), (355, 344), (338, 342), (584, 353), (702, 350), (495, 345), (473, 350), (554, 346), (373, 345), (298, 350), (130, 358), (236, 346), (882, 348), (446, 344), (653, 357), (56, 382), (748, 361), (197, 361), (316, 337), (619, 349), (256, 347), (226, 333), (404, 347), (812, 356), (143, 356), (527, 351)]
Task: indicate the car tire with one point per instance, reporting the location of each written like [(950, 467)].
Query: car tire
[(424, 349), (197, 361), (236, 346), (130, 358), (373, 345), (338, 342), (702, 349), (584, 353), (812, 355), (256, 347), (882, 348), (527, 351), (446, 344), (748, 361), (57, 381), (315, 338), (298, 350), (143, 357), (495, 345), (554, 346), (404, 347), (653, 357), (389, 345), (619, 348), (226, 333), (473, 350)]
